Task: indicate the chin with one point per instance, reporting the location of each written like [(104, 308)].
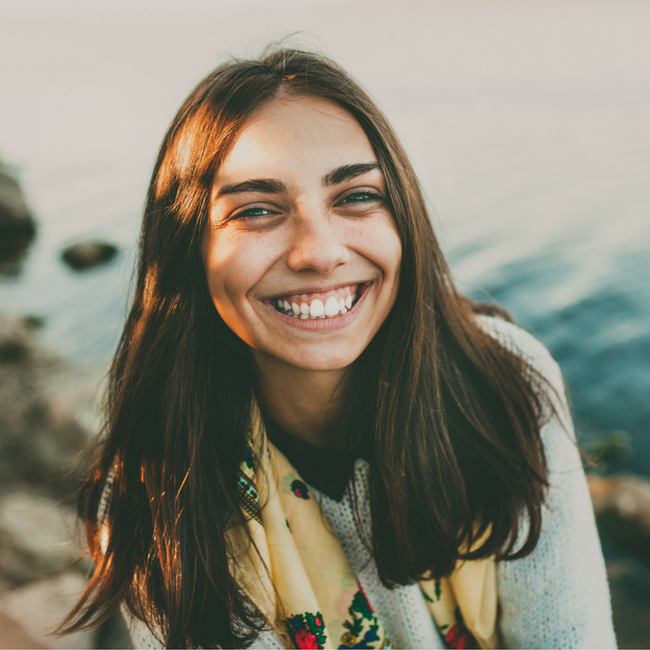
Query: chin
[(322, 361)]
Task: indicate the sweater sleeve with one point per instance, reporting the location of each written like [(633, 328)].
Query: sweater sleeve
[(558, 596)]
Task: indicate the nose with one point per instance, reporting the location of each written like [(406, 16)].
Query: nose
[(316, 245)]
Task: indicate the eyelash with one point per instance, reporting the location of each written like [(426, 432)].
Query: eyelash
[(370, 197), (350, 199), (246, 213)]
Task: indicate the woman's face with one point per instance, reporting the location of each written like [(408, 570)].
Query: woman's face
[(301, 253)]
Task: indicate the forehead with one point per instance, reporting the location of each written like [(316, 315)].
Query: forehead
[(302, 135)]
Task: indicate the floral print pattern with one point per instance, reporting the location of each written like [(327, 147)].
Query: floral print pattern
[(307, 630), (301, 516), (363, 629), (458, 636), (437, 586), (249, 498), (300, 489), (248, 457)]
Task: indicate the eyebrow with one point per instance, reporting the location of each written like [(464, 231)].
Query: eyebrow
[(273, 186), (347, 173), (264, 185)]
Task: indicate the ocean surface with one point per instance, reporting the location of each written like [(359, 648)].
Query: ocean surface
[(528, 123)]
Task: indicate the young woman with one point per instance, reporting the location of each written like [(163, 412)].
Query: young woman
[(312, 439)]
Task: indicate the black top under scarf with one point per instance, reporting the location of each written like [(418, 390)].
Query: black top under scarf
[(327, 470)]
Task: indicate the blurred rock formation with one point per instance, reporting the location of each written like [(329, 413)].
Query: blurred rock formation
[(37, 450), (40, 471), (17, 225), (88, 254), (622, 508)]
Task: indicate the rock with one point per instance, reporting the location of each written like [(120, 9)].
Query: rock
[(14, 213), (37, 537), (612, 448), (622, 507), (86, 255), (629, 582), (40, 606), (35, 448), (17, 226), (16, 338)]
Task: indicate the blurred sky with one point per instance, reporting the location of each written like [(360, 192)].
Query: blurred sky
[(144, 7)]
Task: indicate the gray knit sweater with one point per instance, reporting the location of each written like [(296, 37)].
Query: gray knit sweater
[(556, 597)]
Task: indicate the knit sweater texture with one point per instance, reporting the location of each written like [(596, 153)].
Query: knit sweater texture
[(556, 597)]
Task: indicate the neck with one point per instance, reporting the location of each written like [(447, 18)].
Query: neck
[(306, 403)]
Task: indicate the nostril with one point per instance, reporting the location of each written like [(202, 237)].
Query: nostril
[(319, 256)]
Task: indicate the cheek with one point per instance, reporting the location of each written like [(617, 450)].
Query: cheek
[(390, 264), (381, 244), (232, 267)]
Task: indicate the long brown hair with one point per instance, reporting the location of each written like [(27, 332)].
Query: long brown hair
[(452, 416)]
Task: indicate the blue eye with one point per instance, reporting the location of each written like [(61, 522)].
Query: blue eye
[(360, 197), (253, 212)]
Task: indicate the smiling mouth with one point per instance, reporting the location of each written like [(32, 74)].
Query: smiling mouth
[(315, 306)]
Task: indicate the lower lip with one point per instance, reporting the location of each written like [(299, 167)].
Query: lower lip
[(332, 323)]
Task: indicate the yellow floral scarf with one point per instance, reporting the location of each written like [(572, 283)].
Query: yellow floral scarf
[(300, 578)]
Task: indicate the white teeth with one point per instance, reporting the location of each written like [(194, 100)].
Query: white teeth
[(316, 308), (331, 306)]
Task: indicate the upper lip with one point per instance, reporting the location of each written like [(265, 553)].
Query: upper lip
[(314, 289)]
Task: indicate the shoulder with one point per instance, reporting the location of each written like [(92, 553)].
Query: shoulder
[(545, 374), (525, 345), (557, 596), (512, 336)]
